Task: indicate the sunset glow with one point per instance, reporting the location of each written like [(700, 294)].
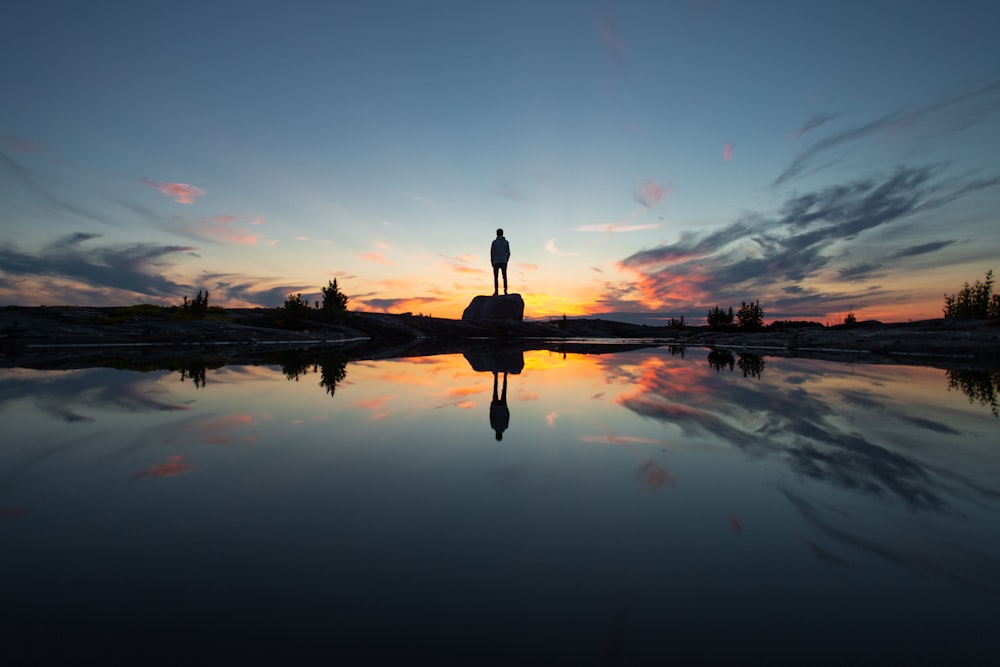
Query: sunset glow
[(639, 173)]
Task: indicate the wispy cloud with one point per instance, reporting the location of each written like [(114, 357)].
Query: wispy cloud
[(727, 151), (376, 256), (550, 246), (612, 40), (616, 227), (15, 144), (810, 239), (953, 113), (137, 267), (23, 175), (182, 193)]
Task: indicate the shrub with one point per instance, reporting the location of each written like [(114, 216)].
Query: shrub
[(975, 301), (750, 316), (296, 309), (718, 318), (198, 307)]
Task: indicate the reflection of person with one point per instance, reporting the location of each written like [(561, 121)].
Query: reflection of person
[(499, 256), (499, 414)]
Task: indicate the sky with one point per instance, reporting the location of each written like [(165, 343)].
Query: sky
[(646, 160)]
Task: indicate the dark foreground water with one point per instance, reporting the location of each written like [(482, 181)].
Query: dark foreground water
[(635, 508)]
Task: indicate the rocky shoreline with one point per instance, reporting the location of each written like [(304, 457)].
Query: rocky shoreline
[(75, 336)]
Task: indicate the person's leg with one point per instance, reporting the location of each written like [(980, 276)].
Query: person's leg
[(503, 267), (496, 284)]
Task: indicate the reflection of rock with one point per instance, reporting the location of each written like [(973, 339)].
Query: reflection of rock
[(497, 360), (506, 307)]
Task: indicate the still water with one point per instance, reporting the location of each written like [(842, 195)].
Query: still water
[(620, 508)]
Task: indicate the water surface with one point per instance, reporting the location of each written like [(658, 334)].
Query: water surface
[(578, 509)]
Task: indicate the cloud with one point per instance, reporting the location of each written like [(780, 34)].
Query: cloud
[(648, 193), (404, 304), (182, 193), (15, 144), (813, 123), (954, 113), (136, 267), (376, 256), (616, 227), (809, 239), (550, 246), (727, 151), (22, 174), (612, 40)]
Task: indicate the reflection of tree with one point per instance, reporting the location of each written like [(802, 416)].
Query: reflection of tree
[(332, 369), (331, 373), (720, 360), (982, 386), (752, 365), (196, 371)]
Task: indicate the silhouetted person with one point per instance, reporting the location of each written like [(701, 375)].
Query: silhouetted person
[(499, 255), (499, 414)]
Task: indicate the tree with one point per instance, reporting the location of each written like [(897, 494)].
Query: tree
[(718, 318), (334, 307), (750, 316), (976, 302)]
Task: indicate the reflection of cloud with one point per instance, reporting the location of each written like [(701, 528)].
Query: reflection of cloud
[(967, 569), (174, 466), (65, 395), (182, 193), (801, 428)]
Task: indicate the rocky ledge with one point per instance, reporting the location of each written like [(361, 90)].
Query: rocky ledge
[(62, 336)]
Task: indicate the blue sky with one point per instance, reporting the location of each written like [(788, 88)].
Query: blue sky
[(651, 158)]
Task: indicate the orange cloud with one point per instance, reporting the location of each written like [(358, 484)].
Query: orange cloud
[(181, 192), (376, 256), (174, 466)]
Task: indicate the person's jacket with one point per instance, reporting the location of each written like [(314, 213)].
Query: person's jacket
[(500, 250)]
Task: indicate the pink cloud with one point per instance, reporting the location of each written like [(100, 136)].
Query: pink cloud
[(181, 192), (609, 35), (727, 152), (224, 218), (259, 220), (14, 144), (649, 192)]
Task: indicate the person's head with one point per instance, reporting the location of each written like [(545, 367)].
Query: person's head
[(499, 232)]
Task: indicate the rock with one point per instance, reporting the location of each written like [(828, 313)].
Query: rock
[(506, 307)]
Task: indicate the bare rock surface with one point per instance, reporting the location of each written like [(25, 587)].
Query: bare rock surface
[(495, 308), (73, 337)]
